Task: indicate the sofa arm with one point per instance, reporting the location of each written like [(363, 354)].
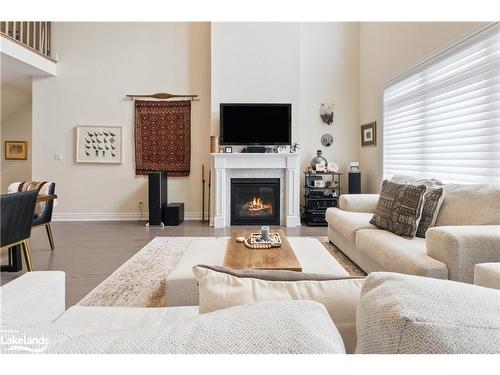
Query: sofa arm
[(462, 247), (35, 296), (358, 202), (487, 275)]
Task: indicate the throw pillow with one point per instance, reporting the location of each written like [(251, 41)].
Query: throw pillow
[(433, 198), (220, 288), (399, 208)]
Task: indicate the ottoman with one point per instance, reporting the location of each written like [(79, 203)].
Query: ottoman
[(181, 288)]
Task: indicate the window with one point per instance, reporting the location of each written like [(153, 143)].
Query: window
[(441, 119)]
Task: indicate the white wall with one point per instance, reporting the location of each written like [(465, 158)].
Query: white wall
[(99, 63), (386, 50), (329, 73), (16, 126), (300, 63)]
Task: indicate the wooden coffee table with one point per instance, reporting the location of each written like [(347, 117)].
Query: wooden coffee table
[(238, 256)]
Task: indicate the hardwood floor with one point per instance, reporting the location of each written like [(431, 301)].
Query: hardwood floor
[(90, 251)]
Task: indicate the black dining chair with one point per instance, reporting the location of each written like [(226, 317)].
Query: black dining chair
[(16, 217), (45, 217)]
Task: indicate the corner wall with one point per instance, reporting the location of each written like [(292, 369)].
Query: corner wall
[(386, 50), (305, 64), (15, 126), (99, 63)]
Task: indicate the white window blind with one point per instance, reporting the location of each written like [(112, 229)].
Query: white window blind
[(442, 118)]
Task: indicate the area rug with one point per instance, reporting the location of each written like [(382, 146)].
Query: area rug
[(140, 281)]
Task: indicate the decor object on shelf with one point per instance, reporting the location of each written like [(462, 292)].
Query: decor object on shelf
[(332, 167), (295, 147), (319, 183), (327, 113), (283, 149), (163, 137), (214, 144), (319, 160), (16, 150), (327, 140), (99, 144), (354, 167), (369, 134), (228, 150)]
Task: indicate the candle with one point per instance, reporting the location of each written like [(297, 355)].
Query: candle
[(265, 233)]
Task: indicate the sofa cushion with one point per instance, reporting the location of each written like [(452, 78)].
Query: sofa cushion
[(402, 314), (398, 254), (399, 208), (470, 205), (284, 327), (347, 222), (221, 288), (103, 317)]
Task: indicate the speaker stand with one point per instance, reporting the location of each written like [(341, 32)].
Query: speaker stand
[(155, 226)]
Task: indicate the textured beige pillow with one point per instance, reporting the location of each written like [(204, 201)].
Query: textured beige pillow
[(221, 288), (399, 208)]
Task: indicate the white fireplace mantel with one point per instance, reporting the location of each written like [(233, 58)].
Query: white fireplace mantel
[(253, 163)]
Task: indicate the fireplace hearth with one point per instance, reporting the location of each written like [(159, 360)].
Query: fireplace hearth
[(255, 201)]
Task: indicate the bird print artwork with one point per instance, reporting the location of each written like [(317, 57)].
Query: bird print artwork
[(99, 144)]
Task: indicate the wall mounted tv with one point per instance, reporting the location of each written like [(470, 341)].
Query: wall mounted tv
[(255, 124)]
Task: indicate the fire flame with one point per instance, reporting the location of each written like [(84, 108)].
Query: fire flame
[(257, 204)]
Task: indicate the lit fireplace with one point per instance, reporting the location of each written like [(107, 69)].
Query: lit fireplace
[(255, 201), (256, 207)]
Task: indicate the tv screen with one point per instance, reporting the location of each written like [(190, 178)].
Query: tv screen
[(255, 124)]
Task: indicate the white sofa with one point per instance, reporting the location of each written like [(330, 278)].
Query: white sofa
[(466, 232), (433, 316)]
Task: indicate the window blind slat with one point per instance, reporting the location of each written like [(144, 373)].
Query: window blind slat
[(442, 120)]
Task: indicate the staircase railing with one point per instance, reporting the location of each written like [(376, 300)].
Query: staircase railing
[(33, 35)]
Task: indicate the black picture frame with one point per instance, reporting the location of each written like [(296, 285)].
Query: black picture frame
[(369, 134)]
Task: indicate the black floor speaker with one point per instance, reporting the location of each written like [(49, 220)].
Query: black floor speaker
[(354, 183), (157, 196)]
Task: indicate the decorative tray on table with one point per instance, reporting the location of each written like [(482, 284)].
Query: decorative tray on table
[(274, 239)]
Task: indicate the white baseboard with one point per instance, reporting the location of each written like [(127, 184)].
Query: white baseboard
[(123, 216)]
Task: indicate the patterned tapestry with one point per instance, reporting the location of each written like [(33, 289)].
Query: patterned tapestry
[(163, 137)]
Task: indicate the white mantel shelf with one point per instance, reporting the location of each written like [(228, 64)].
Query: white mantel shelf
[(287, 162)]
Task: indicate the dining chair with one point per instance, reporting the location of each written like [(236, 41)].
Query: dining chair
[(45, 217), (16, 217)]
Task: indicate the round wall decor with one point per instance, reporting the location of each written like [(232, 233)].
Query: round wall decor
[(327, 140)]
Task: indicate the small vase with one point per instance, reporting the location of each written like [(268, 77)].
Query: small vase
[(319, 159)]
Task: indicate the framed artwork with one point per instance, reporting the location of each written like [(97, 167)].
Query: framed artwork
[(99, 144), (16, 150), (369, 134)]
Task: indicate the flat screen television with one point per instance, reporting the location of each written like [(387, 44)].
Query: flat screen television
[(255, 124)]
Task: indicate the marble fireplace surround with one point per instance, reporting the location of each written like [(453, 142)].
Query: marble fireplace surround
[(242, 165)]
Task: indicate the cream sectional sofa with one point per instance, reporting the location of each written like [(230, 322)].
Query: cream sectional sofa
[(428, 315), (466, 232)]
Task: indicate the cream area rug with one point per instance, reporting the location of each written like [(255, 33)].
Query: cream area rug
[(140, 281)]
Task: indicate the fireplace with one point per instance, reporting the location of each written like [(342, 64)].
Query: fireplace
[(255, 201)]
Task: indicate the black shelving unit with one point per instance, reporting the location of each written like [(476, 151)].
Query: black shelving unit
[(319, 196)]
